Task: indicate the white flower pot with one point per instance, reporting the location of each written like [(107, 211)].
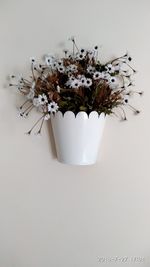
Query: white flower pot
[(77, 138)]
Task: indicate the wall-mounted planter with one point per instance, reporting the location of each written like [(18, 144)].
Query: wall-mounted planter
[(77, 138)]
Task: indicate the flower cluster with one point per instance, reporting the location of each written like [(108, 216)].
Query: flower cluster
[(77, 82)]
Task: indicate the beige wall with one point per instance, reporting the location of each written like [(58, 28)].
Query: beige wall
[(63, 216)]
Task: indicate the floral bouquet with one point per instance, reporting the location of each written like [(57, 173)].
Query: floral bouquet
[(77, 82)]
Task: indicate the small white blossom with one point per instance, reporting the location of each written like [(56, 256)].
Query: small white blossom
[(113, 83), (125, 99), (61, 69), (82, 50), (88, 82), (76, 83), (54, 65), (81, 56), (11, 77), (60, 63), (97, 75), (82, 80), (20, 79), (71, 79), (53, 107), (20, 88), (22, 114), (113, 79), (90, 69), (127, 58), (91, 54), (42, 99), (32, 60), (71, 56), (72, 68), (49, 60), (110, 68), (96, 48)]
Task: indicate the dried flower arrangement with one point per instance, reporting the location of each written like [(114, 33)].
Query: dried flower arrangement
[(77, 82)]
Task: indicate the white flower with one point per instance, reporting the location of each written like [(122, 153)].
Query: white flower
[(72, 68), (36, 102), (61, 69), (96, 47), (60, 63), (71, 56), (11, 77), (97, 75), (81, 56), (125, 99), (83, 51), (20, 88), (91, 54), (71, 79), (110, 68), (112, 79), (22, 114), (76, 83), (90, 69), (113, 83), (54, 65), (42, 99), (49, 60), (88, 82), (127, 58), (32, 60), (83, 80), (53, 107), (20, 79)]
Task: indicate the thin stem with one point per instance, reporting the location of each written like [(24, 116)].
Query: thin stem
[(39, 131), (136, 111), (130, 67), (29, 132), (73, 48), (26, 81), (32, 69), (24, 103), (29, 110), (74, 44), (124, 114), (116, 59)]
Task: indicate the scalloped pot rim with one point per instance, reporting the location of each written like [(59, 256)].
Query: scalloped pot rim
[(69, 113)]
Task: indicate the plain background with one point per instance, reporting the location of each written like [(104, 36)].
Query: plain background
[(63, 216)]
